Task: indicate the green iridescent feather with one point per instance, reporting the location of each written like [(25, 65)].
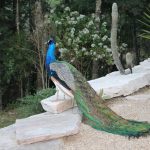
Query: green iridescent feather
[(97, 114)]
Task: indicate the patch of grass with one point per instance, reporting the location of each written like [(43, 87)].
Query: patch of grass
[(24, 107)]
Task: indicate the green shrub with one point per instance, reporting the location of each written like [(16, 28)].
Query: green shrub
[(24, 107)]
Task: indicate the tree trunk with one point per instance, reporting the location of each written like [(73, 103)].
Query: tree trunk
[(31, 24), (17, 17), (98, 8), (95, 64), (0, 99), (39, 36), (39, 81), (18, 31), (21, 88), (14, 16), (136, 50), (114, 46), (2, 3), (1, 92)]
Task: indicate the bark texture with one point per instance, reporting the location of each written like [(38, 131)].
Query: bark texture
[(96, 62), (114, 46)]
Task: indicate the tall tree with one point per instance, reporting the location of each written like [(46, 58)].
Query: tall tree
[(0, 85), (15, 52), (39, 38), (17, 16), (95, 65)]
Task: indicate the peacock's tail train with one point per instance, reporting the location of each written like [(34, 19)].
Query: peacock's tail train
[(96, 113)]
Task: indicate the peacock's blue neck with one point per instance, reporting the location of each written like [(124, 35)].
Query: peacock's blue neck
[(50, 56)]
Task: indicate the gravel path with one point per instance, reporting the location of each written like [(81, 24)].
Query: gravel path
[(91, 139)]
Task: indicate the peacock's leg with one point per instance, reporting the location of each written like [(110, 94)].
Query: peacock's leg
[(57, 93)]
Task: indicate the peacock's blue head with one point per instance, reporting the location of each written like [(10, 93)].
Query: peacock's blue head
[(51, 40)]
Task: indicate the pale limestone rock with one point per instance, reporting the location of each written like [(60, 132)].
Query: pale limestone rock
[(145, 64), (8, 139), (139, 97), (57, 103), (8, 142), (115, 85), (47, 126)]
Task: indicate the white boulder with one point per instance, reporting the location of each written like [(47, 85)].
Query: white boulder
[(47, 126)]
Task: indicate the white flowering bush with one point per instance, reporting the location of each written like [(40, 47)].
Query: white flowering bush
[(78, 36), (81, 41)]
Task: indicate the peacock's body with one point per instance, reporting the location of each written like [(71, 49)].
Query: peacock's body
[(97, 114)]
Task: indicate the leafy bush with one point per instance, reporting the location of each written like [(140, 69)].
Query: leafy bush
[(25, 107), (77, 36), (80, 39)]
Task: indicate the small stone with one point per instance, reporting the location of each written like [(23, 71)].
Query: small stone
[(58, 103)]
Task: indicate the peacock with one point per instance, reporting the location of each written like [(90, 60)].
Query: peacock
[(92, 106)]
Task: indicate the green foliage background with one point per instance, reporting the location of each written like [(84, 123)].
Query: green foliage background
[(17, 67), (24, 107)]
